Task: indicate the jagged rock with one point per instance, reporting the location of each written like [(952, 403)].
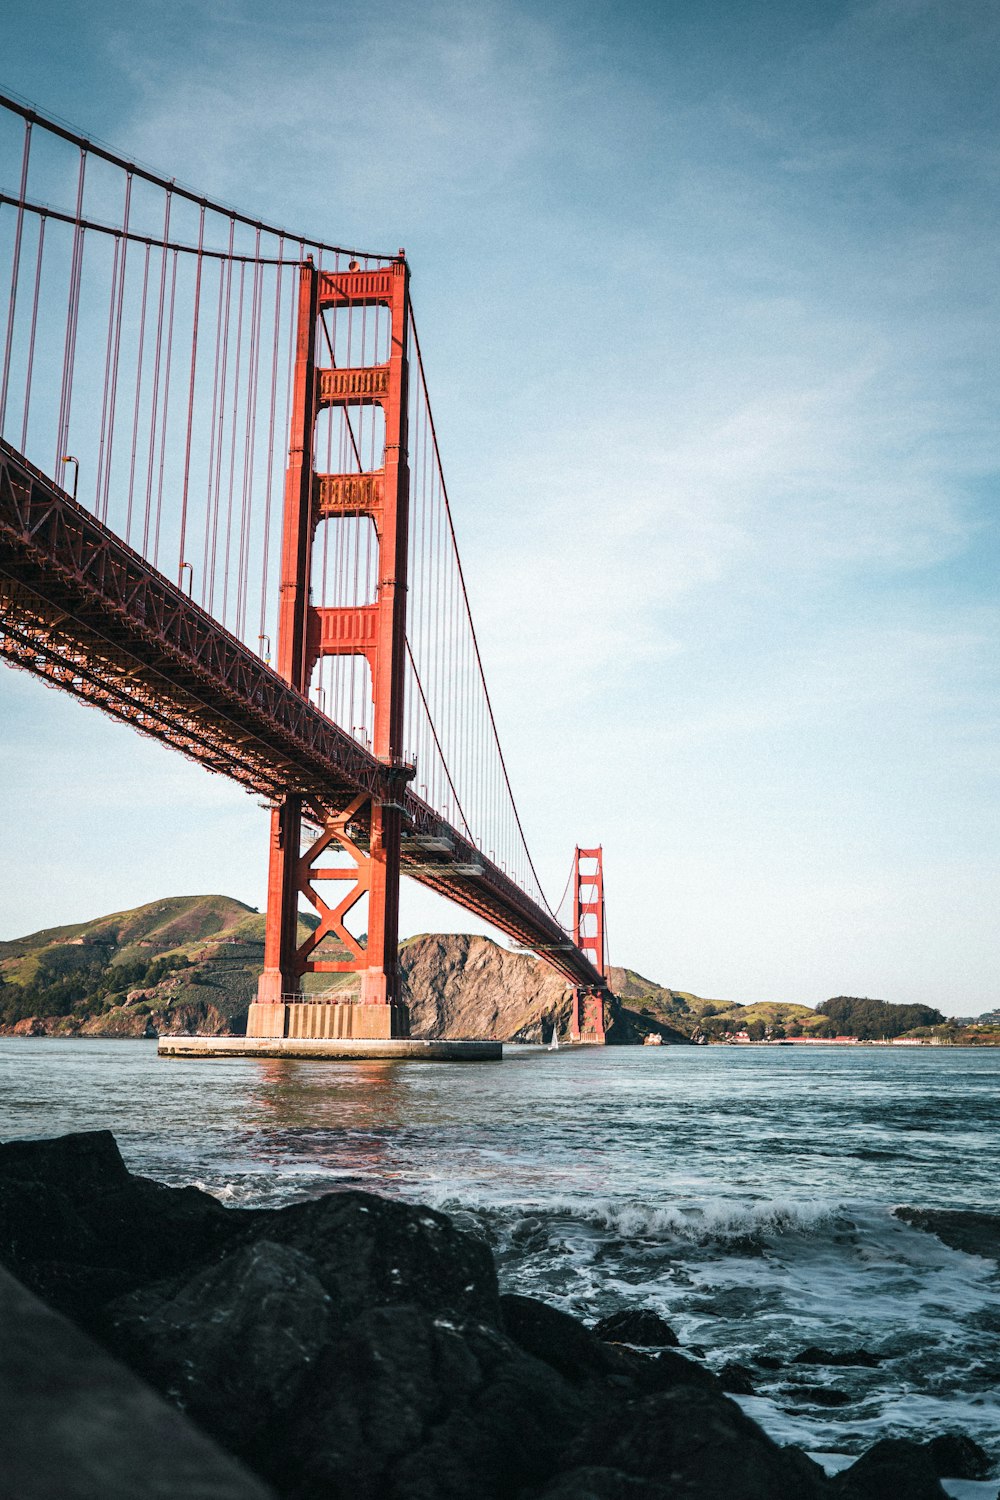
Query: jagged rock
[(575, 1351), (604, 1484), (818, 1395), (370, 1251), (463, 985), (239, 1337), (704, 1447), (469, 986), (639, 1326), (842, 1357), (953, 1455), (768, 1361), (74, 1165), (673, 1368), (409, 1406), (892, 1467), (736, 1380), (974, 1233), (79, 1229)]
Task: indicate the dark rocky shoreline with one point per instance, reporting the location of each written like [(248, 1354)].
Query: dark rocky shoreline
[(357, 1346)]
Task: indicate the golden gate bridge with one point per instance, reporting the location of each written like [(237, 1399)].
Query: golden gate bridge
[(224, 520)]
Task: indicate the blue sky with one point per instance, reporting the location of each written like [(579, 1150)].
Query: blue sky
[(708, 300)]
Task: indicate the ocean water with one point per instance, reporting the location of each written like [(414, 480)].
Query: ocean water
[(744, 1193)]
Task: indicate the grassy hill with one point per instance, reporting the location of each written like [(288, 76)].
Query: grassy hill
[(198, 955), (693, 1016)]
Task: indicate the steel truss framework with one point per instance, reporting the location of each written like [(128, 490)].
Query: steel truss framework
[(83, 611)]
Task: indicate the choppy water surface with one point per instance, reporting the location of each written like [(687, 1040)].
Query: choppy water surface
[(743, 1193)]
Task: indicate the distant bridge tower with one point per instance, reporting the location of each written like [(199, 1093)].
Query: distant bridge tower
[(358, 850), (587, 1022)]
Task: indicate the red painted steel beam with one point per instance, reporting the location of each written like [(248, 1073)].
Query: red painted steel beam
[(84, 612), (587, 1022)]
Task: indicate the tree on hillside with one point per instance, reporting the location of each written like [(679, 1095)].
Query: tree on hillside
[(869, 1020)]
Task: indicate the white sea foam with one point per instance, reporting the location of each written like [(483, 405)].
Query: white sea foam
[(719, 1221)]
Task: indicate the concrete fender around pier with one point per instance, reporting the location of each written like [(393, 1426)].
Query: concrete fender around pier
[(408, 1049)]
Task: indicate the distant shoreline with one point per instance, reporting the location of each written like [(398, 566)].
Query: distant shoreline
[(804, 1043)]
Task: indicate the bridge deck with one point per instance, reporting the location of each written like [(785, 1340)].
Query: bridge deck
[(82, 610)]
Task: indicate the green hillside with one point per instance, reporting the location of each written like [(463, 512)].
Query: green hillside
[(695, 1017), (200, 953)]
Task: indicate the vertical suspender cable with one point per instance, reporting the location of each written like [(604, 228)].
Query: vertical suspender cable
[(14, 272), (31, 336), (113, 396), (269, 479), (138, 395), (250, 445), (216, 483), (232, 442), (166, 408), (72, 314), (156, 381), (212, 435), (182, 539), (475, 643), (107, 372)]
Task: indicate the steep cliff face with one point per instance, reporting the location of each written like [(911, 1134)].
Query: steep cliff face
[(459, 985)]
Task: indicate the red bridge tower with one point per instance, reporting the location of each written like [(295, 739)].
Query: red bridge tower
[(587, 1023), (359, 848)]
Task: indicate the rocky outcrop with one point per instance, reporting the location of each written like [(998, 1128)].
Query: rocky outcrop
[(461, 985), (961, 1229), (895, 1466), (953, 1455), (354, 1345), (637, 1325)]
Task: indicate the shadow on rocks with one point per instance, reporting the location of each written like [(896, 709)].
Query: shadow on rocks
[(892, 1467), (604, 1484)]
